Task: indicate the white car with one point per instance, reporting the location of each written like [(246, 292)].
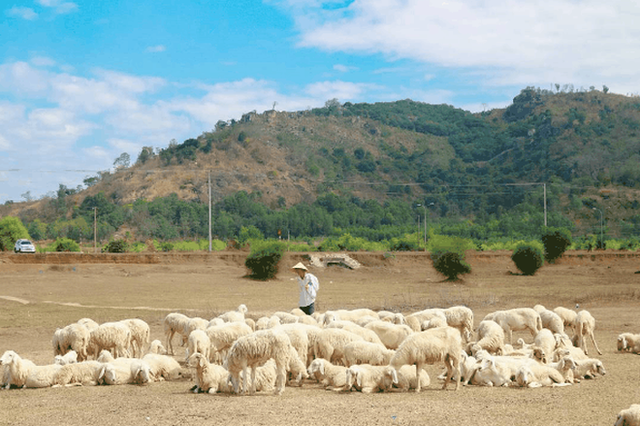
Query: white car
[(24, 246)]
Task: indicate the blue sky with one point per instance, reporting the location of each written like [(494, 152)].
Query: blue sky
[(83, 81)]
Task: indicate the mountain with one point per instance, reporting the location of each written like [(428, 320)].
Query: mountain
[(584, 145)]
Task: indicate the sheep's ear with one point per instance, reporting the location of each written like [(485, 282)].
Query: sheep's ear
[(624, 343), (321, 368), (102, 371), (394, 376), (359, 378)]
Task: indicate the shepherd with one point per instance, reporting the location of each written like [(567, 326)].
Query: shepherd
[(309, 286)]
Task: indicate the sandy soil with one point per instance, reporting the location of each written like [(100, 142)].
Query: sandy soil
[(40, 293)]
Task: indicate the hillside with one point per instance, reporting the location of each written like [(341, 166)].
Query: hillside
[(584, 146)]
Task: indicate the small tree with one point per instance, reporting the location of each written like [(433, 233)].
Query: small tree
[(556, 241), (65, 244), (264, 259), (528, 258), (11, 230), (448, 255), (115, 246)]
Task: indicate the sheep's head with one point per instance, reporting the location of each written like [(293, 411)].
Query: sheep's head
[(600, 368), (141, 372), (568, 363), (8, 357), (524, 376), (622, 343), (539, 354)]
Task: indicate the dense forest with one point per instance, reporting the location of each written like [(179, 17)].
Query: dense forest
[(378, 171)]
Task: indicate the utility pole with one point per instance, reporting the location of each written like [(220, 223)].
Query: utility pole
[(95, 230), (544, 185), (209, 211)]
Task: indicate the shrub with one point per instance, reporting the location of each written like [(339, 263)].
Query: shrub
[(115, 246), (65, 244), (556, 241), (264, 258), (11, 230), (528, 258), (166, 246), (408, 243), (448, 255)]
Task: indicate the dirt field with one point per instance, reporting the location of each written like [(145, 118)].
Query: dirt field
[(40, 293)]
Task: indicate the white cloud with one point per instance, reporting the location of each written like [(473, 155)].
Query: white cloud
[(515, 42), (58, 6), (22, 12), (156, 49), (42, 61), (342, 90), (344, 68)]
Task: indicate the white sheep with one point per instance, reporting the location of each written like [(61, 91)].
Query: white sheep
[(267, 374), (572, 351), (433, 323), (394, 317), (428, 347), (405, 378), (156, 347), (163, 367), (369, 378), (73, 337), (546, 341), (538, 375), (140, 335), (175, 323), (209, 377), (114, 336), (255, 349), (367, 334), (460, 317), (566, 366), (88, 323), (198, 342), (17, 369), (223, 336), (80, 374), (362, 352), (516, 319), (391, 335), (286, 317), (629, 416), (589, 368), (585, 324), (416, 319), (238, 315), (331, 376), (568, 317), (125, 371), (490, 338), (550, 320), (367, 319), (299, 339), (264, 323), (347, 315), (70, 357), (330, 344), (629, 342)]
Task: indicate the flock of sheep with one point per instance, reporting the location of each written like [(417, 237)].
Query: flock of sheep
[(359, 349)]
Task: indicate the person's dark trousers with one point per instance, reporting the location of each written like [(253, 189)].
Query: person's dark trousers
[(308, 309)]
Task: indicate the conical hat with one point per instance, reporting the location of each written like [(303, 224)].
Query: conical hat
[(299, 265)]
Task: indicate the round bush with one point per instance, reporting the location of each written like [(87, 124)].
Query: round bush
[(556, 241), (115, 246), (528, 259), (450, 264), (65, 244), (263, 259)]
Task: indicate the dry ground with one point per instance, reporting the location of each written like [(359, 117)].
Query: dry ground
[(60, 290)]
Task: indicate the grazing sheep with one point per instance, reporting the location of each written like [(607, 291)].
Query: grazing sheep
[(156, 347), (629, 416), (365, 333), (568, 317), (86, 373), (395, 318), (175, 323), (538, 375), (266, 375), (362, 352), (460, 317), (367, 319), (516, 319), (588, 368), (348, 315), (88, 323), (391, 335), (550, 320), (140, 335), (299, 339), (198, 342), (330, 344), (73, 337), (255, 349), (430, 346), (585, 324), (405, 378), (114, 336), (264, 323), (17, 369), (629, 342), (286, 317), (209, 377), (331, 376), (223, 336), (416, 319), (369, 378), (163, 367), (250, 322), (70, 357), (490, 338), (235, 316), (433, 323)]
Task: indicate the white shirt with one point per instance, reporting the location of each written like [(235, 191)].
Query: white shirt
[(308, 294)]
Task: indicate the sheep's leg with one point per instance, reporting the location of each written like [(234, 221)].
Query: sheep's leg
[(169, 335), (456, 365), (418, 368), (245, 382), (252, 389), (593, 340)]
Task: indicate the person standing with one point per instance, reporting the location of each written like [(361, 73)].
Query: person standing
[(309, 286)]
